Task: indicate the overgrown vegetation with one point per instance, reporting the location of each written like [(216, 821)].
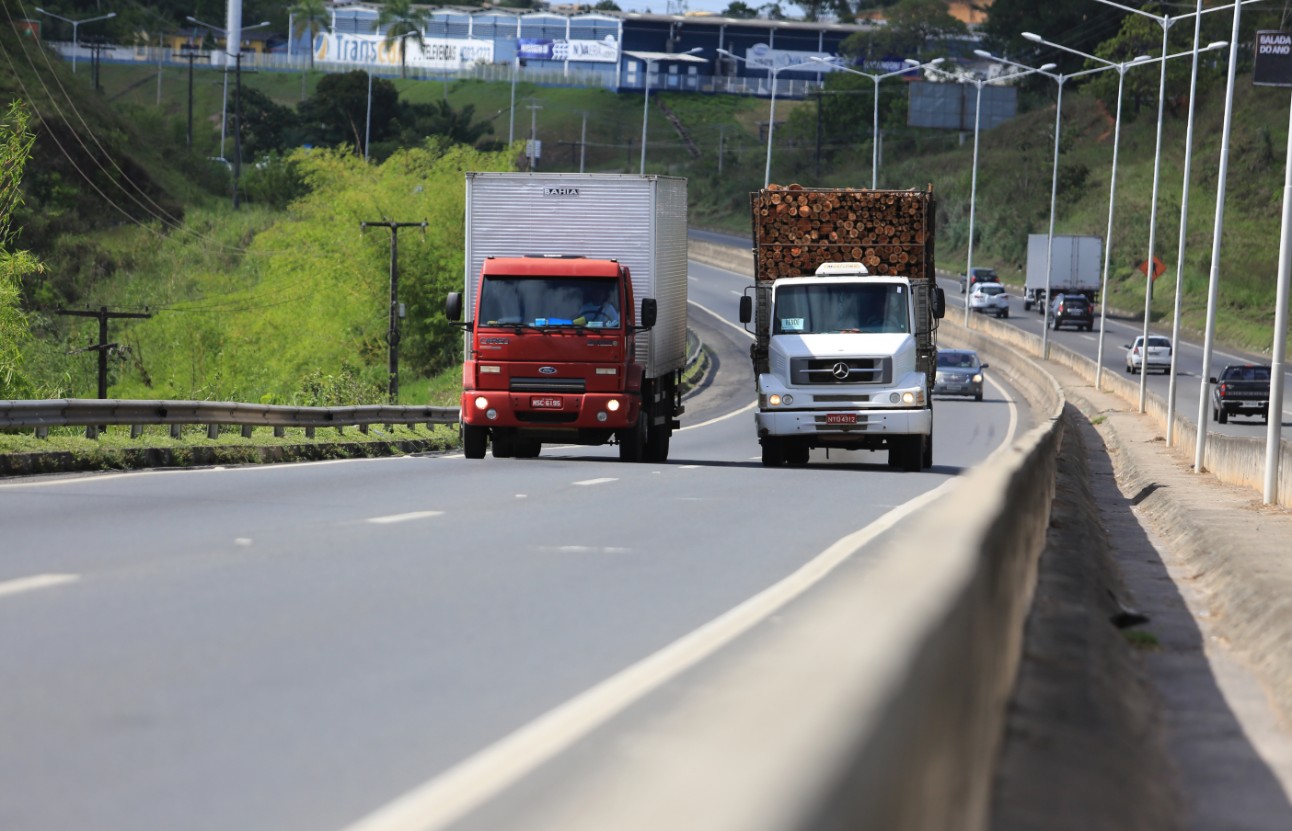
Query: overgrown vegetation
[(285, 300)]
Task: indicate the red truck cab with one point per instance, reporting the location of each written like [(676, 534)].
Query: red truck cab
[(550, 356)]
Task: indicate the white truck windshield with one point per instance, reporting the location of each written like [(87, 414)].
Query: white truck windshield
[(824, 308)]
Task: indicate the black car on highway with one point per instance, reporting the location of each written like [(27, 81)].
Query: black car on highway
[(1072, 310)]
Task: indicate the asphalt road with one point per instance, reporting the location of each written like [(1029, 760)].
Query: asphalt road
[(296, 646), (1119, 333)]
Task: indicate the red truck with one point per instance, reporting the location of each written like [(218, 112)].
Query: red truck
[(576, 313)]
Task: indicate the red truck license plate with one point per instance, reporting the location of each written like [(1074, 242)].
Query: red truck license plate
[(841, 418), (545, 403)]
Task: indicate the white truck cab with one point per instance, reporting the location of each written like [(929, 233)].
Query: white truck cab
[(843, 365)]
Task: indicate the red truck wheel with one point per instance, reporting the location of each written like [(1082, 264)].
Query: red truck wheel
[(474, 441)]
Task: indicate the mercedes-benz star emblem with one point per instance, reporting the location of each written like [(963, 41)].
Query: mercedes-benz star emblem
[(840, 371)]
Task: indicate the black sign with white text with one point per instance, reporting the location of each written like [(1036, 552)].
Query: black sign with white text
[(1273, 59)]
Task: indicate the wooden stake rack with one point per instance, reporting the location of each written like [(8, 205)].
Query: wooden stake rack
[(797, 228)]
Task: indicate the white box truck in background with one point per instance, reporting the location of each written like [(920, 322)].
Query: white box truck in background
[(1075, 268)]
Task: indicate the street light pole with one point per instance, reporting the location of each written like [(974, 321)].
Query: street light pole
[(511, 124), (236, 54), (647, 62), (75, 25), (979, 83), (1112, 185), (911, 66), (772, 74)]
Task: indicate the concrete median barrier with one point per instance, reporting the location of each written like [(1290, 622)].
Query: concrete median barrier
[(875, 700)]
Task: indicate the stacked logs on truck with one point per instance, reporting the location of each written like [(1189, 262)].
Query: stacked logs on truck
[(796, 229)]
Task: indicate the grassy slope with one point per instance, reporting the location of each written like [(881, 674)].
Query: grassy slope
[(1013, 181)]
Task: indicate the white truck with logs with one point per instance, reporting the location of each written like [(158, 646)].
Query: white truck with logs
[(1074, 268), (844, 309)]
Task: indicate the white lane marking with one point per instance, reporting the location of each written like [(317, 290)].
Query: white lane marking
[(392, 518), (751, 405), (687, 467), (738, 327), (39, 581), (243, 542), (583, 549), (455, 793), (603, 480)]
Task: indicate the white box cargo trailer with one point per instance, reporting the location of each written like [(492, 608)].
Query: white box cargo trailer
[(1075, 267), (641, 221)]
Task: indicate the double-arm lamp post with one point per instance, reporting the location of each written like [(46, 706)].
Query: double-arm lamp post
[(1060, 80), (236, 54), (772, 73), (979, 83), (1112, 188), (647, 62), (75, 25), (911, 66)]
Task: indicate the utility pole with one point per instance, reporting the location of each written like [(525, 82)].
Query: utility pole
[(103, 346), (583, 143), (190, 53), (533, 136), (392, 335), (237, 126)]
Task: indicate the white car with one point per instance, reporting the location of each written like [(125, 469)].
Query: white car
[(1158, 354), (989, 298)]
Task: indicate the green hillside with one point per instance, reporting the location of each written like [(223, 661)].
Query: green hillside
[(273, 304)]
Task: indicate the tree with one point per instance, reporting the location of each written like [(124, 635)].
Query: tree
[(606, 6), (916, 28), (418, 121), (337, 112), (402, 22), (1078, 25), (309, 16), (16, 140), (266, 124), (740, 10)]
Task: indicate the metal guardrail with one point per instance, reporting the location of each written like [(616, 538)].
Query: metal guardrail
[(95, 413)]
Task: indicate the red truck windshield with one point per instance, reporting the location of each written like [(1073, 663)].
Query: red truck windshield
[(549, 301)]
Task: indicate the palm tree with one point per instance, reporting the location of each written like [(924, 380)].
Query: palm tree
[(404, 22), (309, 16)]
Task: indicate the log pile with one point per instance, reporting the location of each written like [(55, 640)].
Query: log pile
[(797, 228)]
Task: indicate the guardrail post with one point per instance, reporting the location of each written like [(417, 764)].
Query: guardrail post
[(136, 430), (92, 431), (278, 432), (340, 430), (246, 431), (309, 432), (212, 431), (176, 430), (42, 432), (363, 428)]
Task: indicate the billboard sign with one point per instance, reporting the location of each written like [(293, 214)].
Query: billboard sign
[(762, 56), (431, 53), (1273, 66), (605, 50)]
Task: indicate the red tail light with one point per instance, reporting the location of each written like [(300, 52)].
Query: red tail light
[(1224, 388)]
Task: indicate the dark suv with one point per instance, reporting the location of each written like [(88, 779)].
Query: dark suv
[(1072, 310), (979, 275)]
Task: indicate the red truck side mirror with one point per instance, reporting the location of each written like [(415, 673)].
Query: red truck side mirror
[(650, 310)]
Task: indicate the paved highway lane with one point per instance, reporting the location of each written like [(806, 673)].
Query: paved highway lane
[(295, 646), (1120, 332)]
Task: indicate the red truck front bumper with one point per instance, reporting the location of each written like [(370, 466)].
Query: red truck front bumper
[(549, 411)]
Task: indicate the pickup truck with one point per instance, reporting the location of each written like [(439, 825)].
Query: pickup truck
[(1241, 389)]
